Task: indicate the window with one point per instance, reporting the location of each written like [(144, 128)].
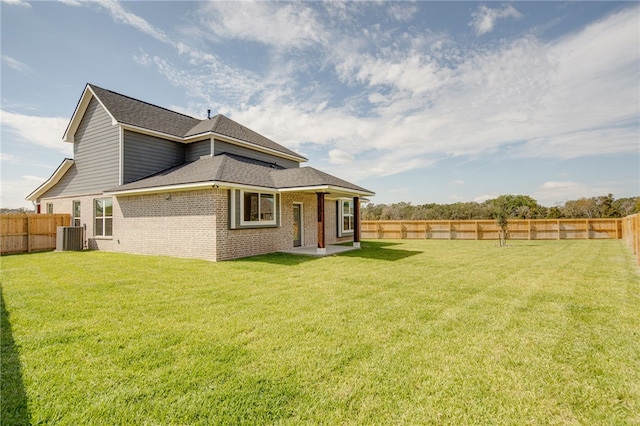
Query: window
[(345, 217), (49, 208), (103, 214), (76, 213), (253, 209), (258, 207)]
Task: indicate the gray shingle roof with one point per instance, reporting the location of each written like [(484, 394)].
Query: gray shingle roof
[(141, 114), (233, 169), (137, 113)]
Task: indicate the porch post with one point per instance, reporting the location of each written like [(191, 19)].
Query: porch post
[(356, 222), (321, 245)]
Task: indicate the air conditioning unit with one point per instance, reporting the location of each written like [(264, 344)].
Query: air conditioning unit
[(69, 238)]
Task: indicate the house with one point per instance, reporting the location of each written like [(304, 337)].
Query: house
[(148, 180)]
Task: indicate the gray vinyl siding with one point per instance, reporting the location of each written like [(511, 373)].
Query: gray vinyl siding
[(145, 155), (198, 149), (96, 152), (222, 147)]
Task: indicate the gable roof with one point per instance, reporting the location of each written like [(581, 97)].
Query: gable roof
[(236, 171), (143, 116)]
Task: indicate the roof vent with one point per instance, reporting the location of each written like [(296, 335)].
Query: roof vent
[(208, 113)]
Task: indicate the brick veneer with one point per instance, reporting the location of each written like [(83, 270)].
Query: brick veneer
[(194, 224)]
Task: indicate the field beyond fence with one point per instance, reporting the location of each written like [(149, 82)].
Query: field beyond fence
[(25, 233)]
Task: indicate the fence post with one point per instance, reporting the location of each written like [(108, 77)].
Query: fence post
[(28, 233)]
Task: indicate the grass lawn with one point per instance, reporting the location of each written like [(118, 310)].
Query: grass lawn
[(400, 332)]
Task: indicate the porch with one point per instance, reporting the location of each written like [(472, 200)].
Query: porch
[(315, 251)]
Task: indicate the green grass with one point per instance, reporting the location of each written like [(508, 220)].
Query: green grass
[(400, 332)]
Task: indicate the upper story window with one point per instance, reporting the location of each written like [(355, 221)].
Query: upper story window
[(103, 215), (345, 217), (76, 214), (49, 208)]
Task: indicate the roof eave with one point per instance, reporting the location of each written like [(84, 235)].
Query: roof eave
[(187, 187), (49, 183), (255, 147), (329, 188)]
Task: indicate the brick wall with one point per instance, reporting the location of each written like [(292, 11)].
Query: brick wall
[(234, 243), (180, 224), (194, 224)]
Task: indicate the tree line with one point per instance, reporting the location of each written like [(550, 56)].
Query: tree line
[(514, 206)]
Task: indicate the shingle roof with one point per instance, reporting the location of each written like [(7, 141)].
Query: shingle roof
[(137, 113), (299, 177), (234, 169), (127, 110), (225, 126)]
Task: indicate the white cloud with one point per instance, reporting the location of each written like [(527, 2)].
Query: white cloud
[(484, 18), (416, 97), (287, 26), (9, 158), (485, 197), (40, 131), (402, 12), (13, 191), (122, 16), (457, 182), (552, 193), (17, 3), (15, 64), (337, 156)]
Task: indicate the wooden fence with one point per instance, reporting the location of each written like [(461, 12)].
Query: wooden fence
[(24, 233), (631, 234), (519, 229)]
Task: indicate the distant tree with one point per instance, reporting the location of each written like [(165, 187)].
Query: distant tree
[(19, 210), (627, 206)]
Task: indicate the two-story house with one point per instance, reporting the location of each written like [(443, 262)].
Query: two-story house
[(148, 180)]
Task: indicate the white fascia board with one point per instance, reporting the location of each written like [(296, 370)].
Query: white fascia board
[(327, 188), (151, 132), (165, 188), (81, 108), (189, 187), (49, 183)]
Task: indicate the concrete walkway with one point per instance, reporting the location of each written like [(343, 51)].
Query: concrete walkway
[(313, 251)]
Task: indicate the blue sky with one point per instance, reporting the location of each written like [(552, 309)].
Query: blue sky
[(418, 101)]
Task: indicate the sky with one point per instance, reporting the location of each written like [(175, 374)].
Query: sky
[(421, 102)]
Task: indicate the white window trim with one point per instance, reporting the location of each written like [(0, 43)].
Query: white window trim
[(301, 222), (341, 231), (73, 213), (258, 222), (103, 217)]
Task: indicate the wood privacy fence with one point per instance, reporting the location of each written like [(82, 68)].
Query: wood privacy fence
[(24, 233), (519, 229), (631, 234)]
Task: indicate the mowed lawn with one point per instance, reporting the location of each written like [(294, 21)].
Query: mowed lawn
[(400, 332)]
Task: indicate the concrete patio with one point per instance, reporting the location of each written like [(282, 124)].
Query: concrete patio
[(314, 251)]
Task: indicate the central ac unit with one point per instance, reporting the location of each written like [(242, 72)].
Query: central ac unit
[(69, 238)]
